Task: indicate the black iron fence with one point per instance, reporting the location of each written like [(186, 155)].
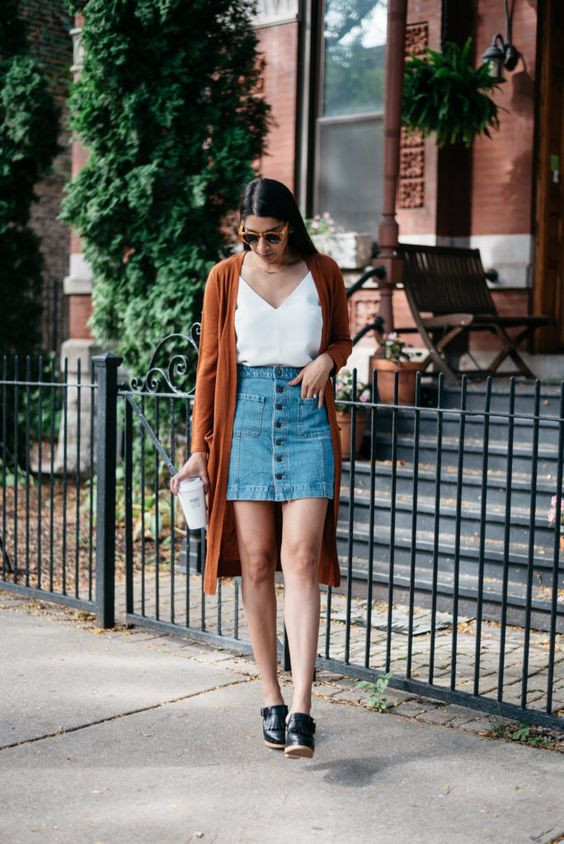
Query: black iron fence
[(449, 532), (47, 480)]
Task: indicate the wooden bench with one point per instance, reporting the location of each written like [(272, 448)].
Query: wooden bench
[(447, 292)]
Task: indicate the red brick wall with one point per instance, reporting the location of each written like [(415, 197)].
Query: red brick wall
[(503, 167), (502, 171), (279, 44), (80, 311), (48, 28)]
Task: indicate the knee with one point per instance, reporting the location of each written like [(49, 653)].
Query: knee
[(300, 563), (258, 568)]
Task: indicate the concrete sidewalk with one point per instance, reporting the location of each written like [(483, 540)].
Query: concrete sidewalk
[(131, 736)]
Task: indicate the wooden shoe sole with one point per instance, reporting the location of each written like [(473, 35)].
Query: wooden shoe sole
[(298, 751), (272, 746)]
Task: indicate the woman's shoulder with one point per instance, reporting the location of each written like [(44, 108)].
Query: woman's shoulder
[(327, 265), (221, 273), (226, 265)]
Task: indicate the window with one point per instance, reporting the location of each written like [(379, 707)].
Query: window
[(349, 124)]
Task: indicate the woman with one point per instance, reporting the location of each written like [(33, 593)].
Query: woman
[(265, 439)]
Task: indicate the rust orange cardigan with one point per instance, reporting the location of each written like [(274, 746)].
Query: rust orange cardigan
[(214, 408)]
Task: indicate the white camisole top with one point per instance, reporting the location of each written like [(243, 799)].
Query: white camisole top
[(289, 335)]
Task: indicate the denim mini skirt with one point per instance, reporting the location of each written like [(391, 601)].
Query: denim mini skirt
[(281, 447)]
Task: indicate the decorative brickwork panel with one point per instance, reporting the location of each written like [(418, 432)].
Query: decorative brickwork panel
[(364, 307), (411, 193), (411, 139), (416, 38), (412, 163), (411, 190)]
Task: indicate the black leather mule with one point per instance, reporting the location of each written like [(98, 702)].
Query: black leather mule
[(299, 736), (274, 725)]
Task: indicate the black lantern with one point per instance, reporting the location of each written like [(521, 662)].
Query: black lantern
[(500, 54)]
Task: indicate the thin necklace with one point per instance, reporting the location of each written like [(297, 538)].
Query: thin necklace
[(274, 272)]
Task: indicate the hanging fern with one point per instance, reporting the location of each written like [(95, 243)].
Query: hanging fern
[(443, 93)]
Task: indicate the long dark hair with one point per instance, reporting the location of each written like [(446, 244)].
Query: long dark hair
[(269, 198)]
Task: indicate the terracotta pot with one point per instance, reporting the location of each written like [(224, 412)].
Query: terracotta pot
[(385, 379), (562, 543), (344, 423)]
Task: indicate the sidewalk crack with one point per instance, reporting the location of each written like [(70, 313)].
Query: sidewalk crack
[(64, 731)]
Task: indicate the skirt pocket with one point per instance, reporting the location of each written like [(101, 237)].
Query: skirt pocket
[(313, 421), (248, 415)]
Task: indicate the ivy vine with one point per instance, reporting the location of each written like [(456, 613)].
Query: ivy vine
[(167, 106)]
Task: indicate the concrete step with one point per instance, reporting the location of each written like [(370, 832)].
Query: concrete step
[(426, 592), (469, 516), (471, 483), (523, 433), (473, 453), (524, 397), (469, 554)]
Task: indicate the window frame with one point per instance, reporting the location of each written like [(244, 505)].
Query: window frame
[(311, 78)]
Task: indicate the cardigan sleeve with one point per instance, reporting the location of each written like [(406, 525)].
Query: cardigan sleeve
[(202, 416), (340, 344)]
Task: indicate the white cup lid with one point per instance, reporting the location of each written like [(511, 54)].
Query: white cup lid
[(191, 483)]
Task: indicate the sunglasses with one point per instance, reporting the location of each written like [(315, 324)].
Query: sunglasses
[(251, 238)]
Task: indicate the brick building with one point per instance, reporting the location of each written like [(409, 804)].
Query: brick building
[(501, 196), (48, 26), (325, 78)]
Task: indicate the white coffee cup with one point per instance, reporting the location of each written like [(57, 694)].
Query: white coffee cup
[(191, 494)]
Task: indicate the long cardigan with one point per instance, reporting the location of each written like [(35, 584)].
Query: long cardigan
[(215, 399)]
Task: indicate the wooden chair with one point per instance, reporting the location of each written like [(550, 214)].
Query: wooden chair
[(448, 295)]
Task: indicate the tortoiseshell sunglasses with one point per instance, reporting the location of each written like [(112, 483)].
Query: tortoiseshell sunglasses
[(251, 238)]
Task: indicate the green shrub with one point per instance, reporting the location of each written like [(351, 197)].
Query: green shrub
[(167, 107)]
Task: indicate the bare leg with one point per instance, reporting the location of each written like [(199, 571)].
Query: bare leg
[(302, 532), (254, 523)]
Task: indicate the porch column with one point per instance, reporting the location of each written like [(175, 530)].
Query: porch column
[(389, 229)]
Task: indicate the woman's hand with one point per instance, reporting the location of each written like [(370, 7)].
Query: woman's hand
[(195, 467), (313, 377)]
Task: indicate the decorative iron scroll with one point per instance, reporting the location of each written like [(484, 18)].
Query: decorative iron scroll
[(172, 362)]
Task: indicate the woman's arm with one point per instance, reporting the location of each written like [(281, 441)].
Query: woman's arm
[(340, 344), (202, 416)]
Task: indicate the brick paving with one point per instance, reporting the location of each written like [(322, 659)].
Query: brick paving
[(190, 607)]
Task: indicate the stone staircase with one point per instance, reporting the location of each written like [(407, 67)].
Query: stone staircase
[(500, 538)]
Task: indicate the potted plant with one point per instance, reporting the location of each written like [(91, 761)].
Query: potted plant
[(445, 94), (344, 393), (552, 519), (350, 250), (390, 358)]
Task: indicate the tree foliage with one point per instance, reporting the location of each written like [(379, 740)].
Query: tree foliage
[(28, 143), (445, 94), (167, 106)]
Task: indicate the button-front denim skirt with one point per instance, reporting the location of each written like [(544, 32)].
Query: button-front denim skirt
[(281, 447)]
